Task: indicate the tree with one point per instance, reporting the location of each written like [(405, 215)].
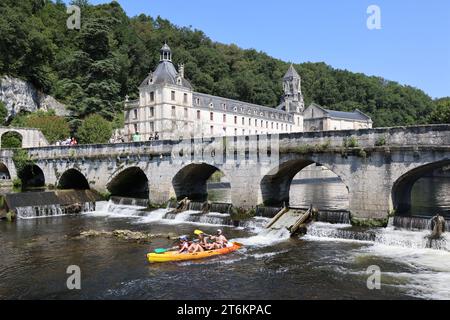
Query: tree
[(94, 129), (11, 139), (442, 112)]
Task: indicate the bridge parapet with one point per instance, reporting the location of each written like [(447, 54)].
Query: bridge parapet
[(306, 142), (427, 135)]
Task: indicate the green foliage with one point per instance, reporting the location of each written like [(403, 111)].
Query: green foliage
[(92, 70), (370, 223), (94, 129), (381, 141), (216, 177), (10, 216), (21, 160), (53, 127), (17, 184), (351, 142), (11, 139), (442, 112), (3, 113), (362, 153)]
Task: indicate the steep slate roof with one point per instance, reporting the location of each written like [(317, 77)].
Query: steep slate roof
[(291, 73), (355, 115), (166, 73)]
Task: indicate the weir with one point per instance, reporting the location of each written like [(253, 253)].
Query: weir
[(414, 223), (50, 203)]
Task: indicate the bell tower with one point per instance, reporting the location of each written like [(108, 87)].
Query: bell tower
[(292, 87)]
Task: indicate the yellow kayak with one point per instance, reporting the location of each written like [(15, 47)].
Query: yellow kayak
[(175, 256)]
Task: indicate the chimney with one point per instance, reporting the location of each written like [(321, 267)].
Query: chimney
[(181, 70)]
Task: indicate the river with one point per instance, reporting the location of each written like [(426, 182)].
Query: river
[(328, 263)]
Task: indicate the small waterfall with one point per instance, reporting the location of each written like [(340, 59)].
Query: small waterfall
[(267, 212), (389, 236), (110, 208), (214, 218), (413, 223), (196, 206), (172, 204), (336, 217), (54, 210), (220, 207), (130, 201)]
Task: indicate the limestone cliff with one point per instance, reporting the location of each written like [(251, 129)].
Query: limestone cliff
[(19, 95)]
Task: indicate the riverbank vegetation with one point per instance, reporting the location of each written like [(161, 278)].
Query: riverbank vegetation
[(92, 70)]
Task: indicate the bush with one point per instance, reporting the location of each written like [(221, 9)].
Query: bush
[(351, 142), (54, 128), (94, 129)]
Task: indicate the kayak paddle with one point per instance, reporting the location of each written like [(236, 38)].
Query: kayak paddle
[(199, 232), (159, 251)]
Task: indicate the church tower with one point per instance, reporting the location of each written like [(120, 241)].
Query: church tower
[(292, 87)]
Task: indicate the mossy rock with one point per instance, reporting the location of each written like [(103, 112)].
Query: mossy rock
[(370, 223), (10, 216), (239, 214)]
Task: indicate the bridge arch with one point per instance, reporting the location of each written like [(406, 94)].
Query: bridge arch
[(276, 184), (11, 139), (131, 182), (73, 179), (402, 188), (4, 172), (32, 176), (192, 182)]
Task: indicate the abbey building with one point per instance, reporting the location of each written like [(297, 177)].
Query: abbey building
[(169, 108)]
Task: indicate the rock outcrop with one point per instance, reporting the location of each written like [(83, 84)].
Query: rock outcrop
[(19, 95), (126, 235)]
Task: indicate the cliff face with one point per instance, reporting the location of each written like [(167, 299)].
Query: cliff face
[(19, 95)]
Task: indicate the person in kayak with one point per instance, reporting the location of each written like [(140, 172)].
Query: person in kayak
[(184, 245), (211, 244), (220, 239), (196, 247)]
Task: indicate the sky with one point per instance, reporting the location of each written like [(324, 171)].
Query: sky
[(412, 47)]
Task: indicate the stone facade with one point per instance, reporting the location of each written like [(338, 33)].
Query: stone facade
[(317, 118), (167, 105)]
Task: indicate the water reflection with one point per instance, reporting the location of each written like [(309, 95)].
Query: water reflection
[(320, 187), (431, 195)]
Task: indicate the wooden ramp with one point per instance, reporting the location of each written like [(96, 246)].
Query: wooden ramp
[(290, 219)]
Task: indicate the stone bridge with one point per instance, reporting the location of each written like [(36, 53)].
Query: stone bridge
[(378, 166)]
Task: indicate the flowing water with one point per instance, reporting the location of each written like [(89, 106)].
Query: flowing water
[(330, 262)]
